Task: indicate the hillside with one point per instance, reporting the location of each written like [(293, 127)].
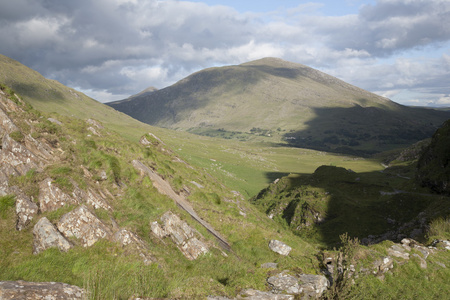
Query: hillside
[(279, 101), (51, 96), (122, 215)]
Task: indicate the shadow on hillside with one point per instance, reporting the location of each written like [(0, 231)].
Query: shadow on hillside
[(333, 201), (363, 131), (272, 176), (35, 91), (177, 102)]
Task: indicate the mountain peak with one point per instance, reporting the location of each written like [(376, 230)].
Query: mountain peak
[(273, 62)]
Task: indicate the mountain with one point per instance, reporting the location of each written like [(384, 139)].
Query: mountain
[(287, 102)]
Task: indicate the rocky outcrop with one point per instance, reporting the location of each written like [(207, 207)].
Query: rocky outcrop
[(96, 200), (181, 234), (284, 283), (16, 159), (84, 225), (279, 247), (6, 125), (164, 188), (24, 290), (313, 286), (47, 236), (309, 286), (25, 210), (150, 139), (51, 197)]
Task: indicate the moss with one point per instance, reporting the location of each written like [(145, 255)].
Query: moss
[(17, 136)]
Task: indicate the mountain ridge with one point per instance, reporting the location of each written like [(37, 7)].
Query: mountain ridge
[(289, 102)]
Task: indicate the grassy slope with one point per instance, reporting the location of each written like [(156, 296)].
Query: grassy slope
[(107, 270)]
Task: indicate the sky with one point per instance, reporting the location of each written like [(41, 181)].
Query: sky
[(111, 49)]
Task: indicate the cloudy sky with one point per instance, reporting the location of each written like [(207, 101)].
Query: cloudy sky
[(110, 49)]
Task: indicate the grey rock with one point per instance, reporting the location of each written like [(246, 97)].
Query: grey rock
[(97, 201), (158, 230), (47, 236), (6, 124), (23, 290), (269, 265), (383, 265), (313, 286), (16, 159), (251, 294), (4, 185), (54, 121), (84, 225), (25, 210), (446, 244), (181, 234), (285, 283), (422, 262), (95, 123), (51, 197), (398, 251), (279, 247), (145, 142)]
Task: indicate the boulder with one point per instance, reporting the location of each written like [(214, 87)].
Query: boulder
[(383, 265), (84, 225), (52, 197), (181, 234), (398, 251), (25, 210), (40, 290), (285, 283), (47, 236), (313, 286), (279, 247)]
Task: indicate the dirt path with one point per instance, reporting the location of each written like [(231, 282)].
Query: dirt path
[(164, 188)]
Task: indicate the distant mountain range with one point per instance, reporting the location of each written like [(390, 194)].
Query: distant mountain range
[(283, 102)]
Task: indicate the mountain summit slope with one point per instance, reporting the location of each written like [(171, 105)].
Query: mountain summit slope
[(286, 101)]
